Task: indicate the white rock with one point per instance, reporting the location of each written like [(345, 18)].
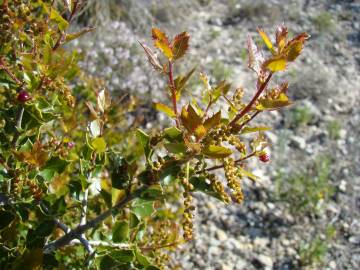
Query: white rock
[(265, 260), (221, 235)]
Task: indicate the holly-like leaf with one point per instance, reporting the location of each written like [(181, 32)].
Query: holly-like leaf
[(165, 109), (37, 156), (173, 134), (294, 50), (53, 166), (162, 42), (144, 140), (256, 58), (180, 83), (212, 121), (176, 148), (142, 208), (266, 40), (189, 118), (216, 151), (120, 232), (180, 45), (276, 64), (200, 131), (281, 37), (152, 57), (200, 184), (273, 104)]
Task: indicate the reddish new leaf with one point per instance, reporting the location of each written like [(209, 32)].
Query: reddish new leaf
[(180, 45)]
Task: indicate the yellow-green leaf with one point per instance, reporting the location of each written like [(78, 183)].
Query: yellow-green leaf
[(276, 64), (176, 148), (248, 174), (99, 144), (273, 104), (266, 40), (253, 129), (216, 151), (162, 42), (189, 118), (212, 121), (180, 45), (294, 50), (165, 109), (200, 131), (56, 17)]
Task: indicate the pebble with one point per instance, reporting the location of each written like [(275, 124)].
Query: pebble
[(298, 142), (221, 235), (265, 260)]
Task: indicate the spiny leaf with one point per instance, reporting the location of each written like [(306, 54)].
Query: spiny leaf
[(145, 142), (276, 64), (281, 37), (56, 17), (72, 36), (165, 109), (256, 58), (180, 45), (189, 118), (221, 89), (294, 50), (180, 83), (266, 40), (173, 134), (152, 57), (162, 42), (216, 151), (212, 121), (200, 131)]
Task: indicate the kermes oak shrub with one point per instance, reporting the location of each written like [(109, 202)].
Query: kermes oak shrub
[(78, 188)]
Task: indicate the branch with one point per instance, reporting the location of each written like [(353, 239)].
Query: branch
[(251, 103), (173, 93), (72, 234)]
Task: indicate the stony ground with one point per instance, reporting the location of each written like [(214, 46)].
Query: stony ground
[(305, 211)]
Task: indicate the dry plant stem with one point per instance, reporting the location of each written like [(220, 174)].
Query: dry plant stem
[(8, 72), (251, 103), (236, 161), (173, 93), (79, 230)]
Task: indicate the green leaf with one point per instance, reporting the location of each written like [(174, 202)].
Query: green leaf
[(221, 89), (144, 261), (169, 173), (144, 140), (273, 104), (152, 193), (71, 36), (176, 148), (120, 232), (180, 45), (165, 109), (99, 144), (253, 129), (121, 171), (200, 184), (248, 174), (173, 134), (54, 165), (212, 121), (133, 221), (142, 208), (123, 256), (216, 151), (45, 228), (56, 17), (5, 219)]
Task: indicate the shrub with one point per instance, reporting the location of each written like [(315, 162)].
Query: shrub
[(80, 187)]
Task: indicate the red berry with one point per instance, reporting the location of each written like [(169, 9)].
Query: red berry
[(23, 96), (264, 157)]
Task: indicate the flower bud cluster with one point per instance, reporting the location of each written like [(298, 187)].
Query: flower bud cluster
[(187, 222), (35, 190), (218, 187), (231, 174), (236, 142)]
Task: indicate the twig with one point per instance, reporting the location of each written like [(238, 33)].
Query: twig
[(173, 93), (97, 243), (236, 161), (251, 103), (71, 235)]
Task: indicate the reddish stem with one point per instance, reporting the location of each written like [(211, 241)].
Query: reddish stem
[(173, 93), (251, 103)]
